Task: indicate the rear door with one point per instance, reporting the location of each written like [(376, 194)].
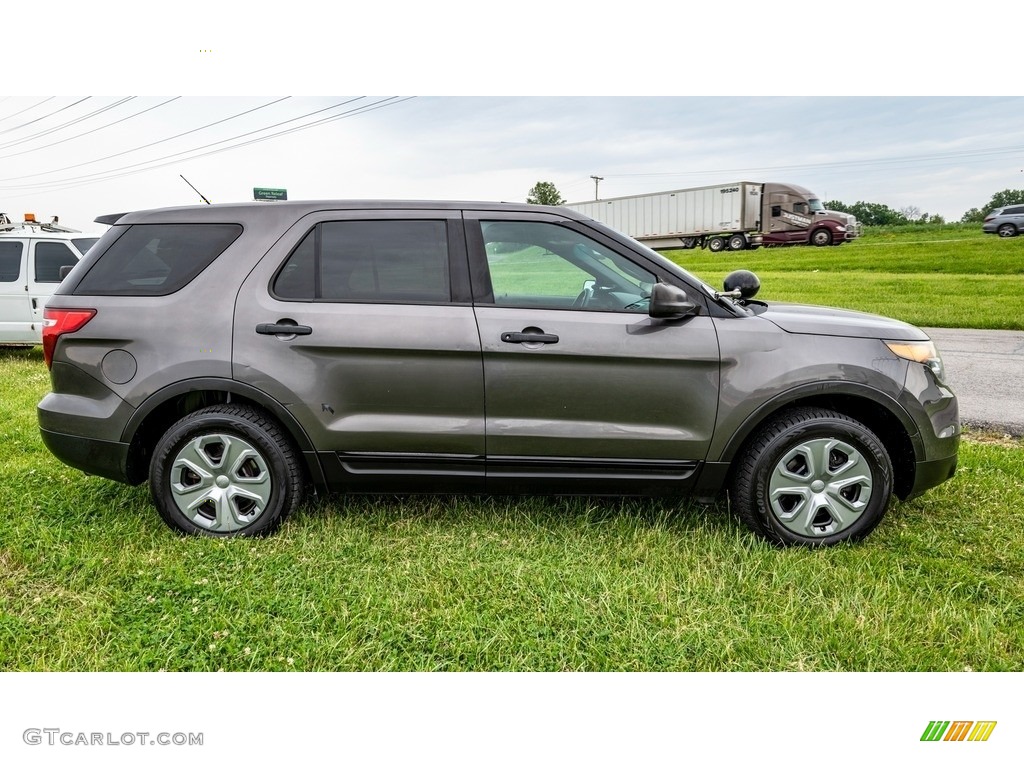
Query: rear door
[(15, 306), (585, 392), (383, 366)]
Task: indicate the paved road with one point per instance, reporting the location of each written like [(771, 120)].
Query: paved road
[(986, 370)]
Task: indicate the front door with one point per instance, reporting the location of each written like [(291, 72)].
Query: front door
[(585, 392), (360, 323)]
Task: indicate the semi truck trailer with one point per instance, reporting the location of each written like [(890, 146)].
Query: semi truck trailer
[(735, 216)]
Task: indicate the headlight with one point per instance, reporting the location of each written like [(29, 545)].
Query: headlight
[(923, 352), (840, 228)]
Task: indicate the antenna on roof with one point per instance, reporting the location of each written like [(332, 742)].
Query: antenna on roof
[(197, 191)]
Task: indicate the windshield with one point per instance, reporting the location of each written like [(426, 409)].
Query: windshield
[(815, 205)]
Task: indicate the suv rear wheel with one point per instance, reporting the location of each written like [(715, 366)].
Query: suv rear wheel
[(1007, 230), (225, 470), (813, 477)]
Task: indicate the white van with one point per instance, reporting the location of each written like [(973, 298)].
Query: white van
[(31, 257)]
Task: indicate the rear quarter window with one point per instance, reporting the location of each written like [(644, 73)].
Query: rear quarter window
[(156, 259)]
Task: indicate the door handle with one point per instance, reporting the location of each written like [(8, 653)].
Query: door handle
[(283, 329), (536, 338)]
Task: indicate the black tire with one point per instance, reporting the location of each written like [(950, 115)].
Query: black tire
[(717, 244), (225, 470), (1007, 230), (821, 237), (778, 492), (737, 243)]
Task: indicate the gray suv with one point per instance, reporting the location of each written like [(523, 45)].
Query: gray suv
[(1007, 221), (234, 356)]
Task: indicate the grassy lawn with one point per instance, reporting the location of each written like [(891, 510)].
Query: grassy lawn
[(953, 276), (91, 579)]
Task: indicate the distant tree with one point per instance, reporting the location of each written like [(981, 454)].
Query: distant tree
[(1006, 197), (873, 214), (544, 193), (973, 216), (913, 213), (876, 214)]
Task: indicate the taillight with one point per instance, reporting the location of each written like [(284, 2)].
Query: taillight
[(57, 322)]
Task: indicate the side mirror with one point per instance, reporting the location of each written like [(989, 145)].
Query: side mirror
[(669, 302), (745, 283), (65, 270)]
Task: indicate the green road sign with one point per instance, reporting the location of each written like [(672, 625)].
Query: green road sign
[(263, 193)]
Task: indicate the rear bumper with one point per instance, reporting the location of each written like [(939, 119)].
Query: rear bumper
[(92, 456)]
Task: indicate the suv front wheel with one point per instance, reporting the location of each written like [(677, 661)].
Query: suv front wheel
[(225, 470), (813, 477)]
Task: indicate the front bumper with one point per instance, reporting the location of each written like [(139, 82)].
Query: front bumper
[(929, 474)]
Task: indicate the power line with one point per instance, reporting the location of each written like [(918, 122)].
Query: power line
[(351, 113), (151, 144), (94, 130), (965, 154), (51, 114), (67, 124), (116, 173), (27, 109)]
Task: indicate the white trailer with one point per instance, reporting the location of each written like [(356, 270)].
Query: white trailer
[(731, 216)]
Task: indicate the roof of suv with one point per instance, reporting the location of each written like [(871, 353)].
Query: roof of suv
[(299, 208)]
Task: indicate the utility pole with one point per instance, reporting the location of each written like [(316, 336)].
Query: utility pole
[(597, 180)]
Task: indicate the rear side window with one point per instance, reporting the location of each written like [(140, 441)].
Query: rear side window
[(156, 259), (369, 261), (10, 261), (49, 258)]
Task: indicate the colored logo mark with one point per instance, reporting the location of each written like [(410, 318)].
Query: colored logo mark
[(958, 730)]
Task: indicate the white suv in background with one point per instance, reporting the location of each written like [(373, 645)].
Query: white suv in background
[(31, 257)]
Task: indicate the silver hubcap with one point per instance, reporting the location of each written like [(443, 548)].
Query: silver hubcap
[(220, 482), (820, 487)]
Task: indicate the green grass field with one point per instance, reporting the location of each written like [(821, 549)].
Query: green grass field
[(947, 277), (91, 579)]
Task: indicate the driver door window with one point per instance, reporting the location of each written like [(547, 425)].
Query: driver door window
[(542, 265)]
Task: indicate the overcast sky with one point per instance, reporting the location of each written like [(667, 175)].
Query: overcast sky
[(940, 154), (216, 80)]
